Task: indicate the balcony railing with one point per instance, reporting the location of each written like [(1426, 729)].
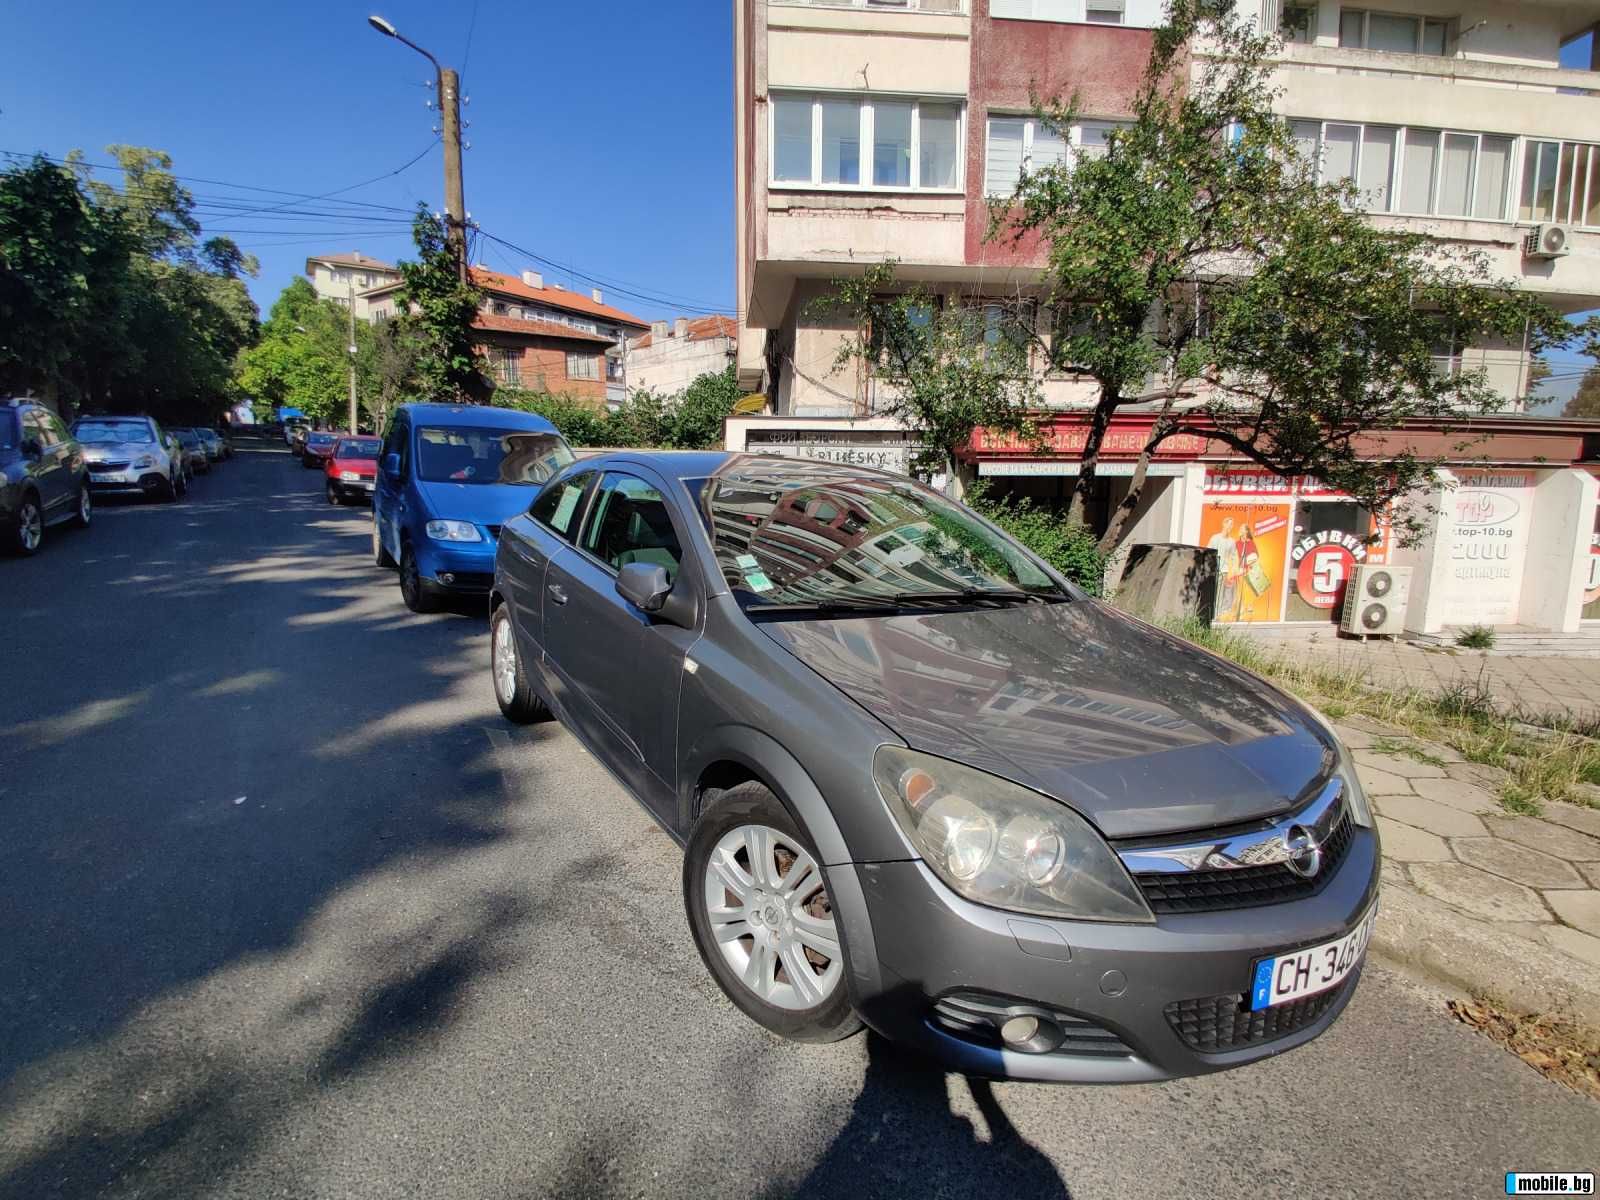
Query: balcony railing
[(1297, 56)]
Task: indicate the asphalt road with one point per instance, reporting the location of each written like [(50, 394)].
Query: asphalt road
[(286, 910)]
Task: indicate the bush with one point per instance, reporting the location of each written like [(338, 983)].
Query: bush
[(1070, 547), (691, 420), (1476, 637)]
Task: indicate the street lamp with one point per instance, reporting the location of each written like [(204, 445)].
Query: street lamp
[(449, 90)]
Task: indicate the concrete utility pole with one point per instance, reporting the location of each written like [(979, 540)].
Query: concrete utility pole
[(351, 347), (449, 93)]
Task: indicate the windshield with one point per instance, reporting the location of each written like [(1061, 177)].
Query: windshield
[(113, 432), (319, 439), (805, 533), (187, 436), (455, 455), (357, 448)]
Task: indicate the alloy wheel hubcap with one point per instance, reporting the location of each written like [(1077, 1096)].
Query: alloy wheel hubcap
[(505, 661), (771, 918), (85, 505), (32, 526)]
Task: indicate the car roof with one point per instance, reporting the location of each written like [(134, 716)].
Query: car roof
[(478, 416), (677, 464), (694, 464)]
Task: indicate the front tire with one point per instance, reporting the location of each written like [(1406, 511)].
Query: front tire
[(27, 534), (761, 917), (413, 588), (333, 493), (512, 692)]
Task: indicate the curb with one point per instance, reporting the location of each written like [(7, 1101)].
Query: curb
[(1421, 932)]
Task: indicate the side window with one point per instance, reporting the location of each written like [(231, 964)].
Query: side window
[(629, 523), (557, 506), (35, 426)]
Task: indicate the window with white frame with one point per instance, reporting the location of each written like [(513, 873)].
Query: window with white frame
[(1560, 182), (1018, 145), (582, 366), (1104, 12), (1297, 23), (1394, 32), (1417, 172), (933, 6), (866, 142)]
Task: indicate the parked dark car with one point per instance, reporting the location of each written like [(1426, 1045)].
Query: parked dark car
[(449, 475), (925, 783), (44, 477), (132, 455), (194, 450), (318, 447)]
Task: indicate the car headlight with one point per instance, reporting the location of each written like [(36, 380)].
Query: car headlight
[(144, 462), (349, 476), (1356, 798), (1000, 844), (454, 531)]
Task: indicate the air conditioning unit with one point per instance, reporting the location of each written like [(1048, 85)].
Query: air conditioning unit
[(1548, 241), (1375, 601)]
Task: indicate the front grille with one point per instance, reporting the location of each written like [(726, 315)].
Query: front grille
[(1243, 887), (109, 466), (1220, 1023), (975, 1017)]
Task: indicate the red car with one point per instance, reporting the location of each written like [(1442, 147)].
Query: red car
[(352, 468)]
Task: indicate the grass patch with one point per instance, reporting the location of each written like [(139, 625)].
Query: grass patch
[(1476, 637), (1545, 764), (1406, 749)]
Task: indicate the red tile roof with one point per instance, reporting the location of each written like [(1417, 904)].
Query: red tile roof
[(550, 329), (580, 302), (700, 328)]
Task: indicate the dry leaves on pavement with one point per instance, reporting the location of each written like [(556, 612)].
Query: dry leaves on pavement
[(1556, 1048)]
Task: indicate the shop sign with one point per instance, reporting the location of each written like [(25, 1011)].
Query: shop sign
[(887, 450), (1071, 439), (1323, 563), (1226, 482), (1488, 547)]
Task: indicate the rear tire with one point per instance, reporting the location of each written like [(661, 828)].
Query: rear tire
[(512, 692), (750, 867), (413, 588), (172, 487), (85, 513)]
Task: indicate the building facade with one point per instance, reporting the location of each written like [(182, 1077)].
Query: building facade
[(345, 278), (868, 131), (672, 356), (542, 337)]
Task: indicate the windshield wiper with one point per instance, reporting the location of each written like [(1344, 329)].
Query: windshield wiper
[(996, 596), (824, 606)]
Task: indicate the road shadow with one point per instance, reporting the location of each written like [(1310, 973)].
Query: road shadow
[(903, 1109)]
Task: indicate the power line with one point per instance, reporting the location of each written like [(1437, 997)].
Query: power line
[(410, 162), (612, 284), (466, 55)]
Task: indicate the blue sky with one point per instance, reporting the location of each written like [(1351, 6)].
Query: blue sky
[(601, 134)]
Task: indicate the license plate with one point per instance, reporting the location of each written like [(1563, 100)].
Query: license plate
[(1306, 972)]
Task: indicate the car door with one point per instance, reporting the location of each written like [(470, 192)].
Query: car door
[(49, 468), (388, 492), (621, 668), (528, 542)]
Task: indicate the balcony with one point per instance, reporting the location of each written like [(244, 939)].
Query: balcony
[(1438, 69)]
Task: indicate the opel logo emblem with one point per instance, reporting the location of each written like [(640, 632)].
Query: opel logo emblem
[(1305, 855)]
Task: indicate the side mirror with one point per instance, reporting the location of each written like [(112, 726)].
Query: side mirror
[(31, 448), (644, 585), (391, 463)]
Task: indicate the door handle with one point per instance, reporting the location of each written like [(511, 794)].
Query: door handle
[(557, 593)]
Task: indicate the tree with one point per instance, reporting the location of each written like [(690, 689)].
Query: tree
[(1585, 401), (303, 360), (942, 370), (696, 417), (1200, 270), (438, 311)]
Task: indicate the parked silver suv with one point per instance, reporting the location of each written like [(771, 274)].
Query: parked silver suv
[(133, 456), (926, 784)]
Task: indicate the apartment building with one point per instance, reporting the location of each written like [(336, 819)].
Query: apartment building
[(344, 278), (673, 355), (541, 336), (867, 130)]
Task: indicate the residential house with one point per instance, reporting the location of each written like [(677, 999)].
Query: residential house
[(343, 278), (543, 337), (671, 357), (875, 130)]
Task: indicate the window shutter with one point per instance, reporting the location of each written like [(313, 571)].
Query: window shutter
[(1004, 167)]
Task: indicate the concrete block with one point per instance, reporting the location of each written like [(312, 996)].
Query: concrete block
[(1169, 582)]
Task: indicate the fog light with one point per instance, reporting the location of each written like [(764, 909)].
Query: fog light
[(446, 577), (1031, 1034), (1019, 1029)]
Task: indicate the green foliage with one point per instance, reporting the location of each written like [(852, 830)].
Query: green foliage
[(1585, 401), (940, 369), (692, 420), (1476, 637), (439, 308), (1067, 545), (105, 302), (303, 360)]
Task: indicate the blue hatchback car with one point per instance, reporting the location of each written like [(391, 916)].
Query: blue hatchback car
[(448, 477)]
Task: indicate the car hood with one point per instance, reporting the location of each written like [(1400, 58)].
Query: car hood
[(1139, 731), (480, 503)]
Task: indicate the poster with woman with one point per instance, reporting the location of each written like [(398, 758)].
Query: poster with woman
[(1250, 541)]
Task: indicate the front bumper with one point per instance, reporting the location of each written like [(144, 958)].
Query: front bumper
[(129, 482), (1140, 1002), (353, 487), (465, 567)]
